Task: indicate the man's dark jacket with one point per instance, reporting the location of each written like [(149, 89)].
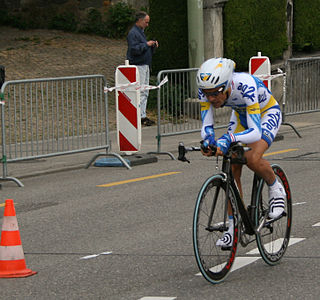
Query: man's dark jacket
[(139, 53)]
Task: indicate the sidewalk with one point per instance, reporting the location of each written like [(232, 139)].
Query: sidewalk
[(39, 167)]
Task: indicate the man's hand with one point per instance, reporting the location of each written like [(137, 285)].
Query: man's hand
[(152, 43)]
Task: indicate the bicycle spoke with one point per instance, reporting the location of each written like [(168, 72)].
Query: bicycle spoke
[(208, 227)]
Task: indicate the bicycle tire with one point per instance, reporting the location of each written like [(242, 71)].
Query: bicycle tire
[(273, 239), (213, 262)]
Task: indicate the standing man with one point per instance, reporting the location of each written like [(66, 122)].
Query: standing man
[(140, 53)]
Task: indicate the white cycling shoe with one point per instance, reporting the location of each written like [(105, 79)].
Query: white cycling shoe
[(276, 201), (225, 241)]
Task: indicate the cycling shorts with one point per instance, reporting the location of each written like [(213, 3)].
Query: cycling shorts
[(271, 120)]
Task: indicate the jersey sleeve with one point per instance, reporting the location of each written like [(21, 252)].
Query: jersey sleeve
[(206, 110), (253, 114)]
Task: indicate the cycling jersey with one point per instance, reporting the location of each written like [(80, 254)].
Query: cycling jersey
[(255, 112)]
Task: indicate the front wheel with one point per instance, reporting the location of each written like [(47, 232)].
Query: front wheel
[(210, 220), (273, 237)]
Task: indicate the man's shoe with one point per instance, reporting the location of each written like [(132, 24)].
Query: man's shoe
[(147, 122), (226, 241), (276, 202)]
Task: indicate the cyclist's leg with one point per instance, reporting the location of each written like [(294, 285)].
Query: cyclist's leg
[(270, 123), (227, 237), (237, 171), (235, 126), (273, 236), (257, 163)]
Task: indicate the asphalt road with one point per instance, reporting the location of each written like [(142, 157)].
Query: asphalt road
[(133, 240)]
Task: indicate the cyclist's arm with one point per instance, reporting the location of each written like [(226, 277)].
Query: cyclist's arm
[(253, 118), (206, 117)]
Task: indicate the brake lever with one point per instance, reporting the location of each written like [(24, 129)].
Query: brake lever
[(182, 153)]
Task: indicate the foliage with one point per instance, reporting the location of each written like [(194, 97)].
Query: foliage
[(306, 26), (252, 26), (93, 22), (113, 23), (66, 21), (120, 16), (169, 25)]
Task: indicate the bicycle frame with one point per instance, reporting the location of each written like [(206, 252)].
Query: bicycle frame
[(227, 173), (227, 176)]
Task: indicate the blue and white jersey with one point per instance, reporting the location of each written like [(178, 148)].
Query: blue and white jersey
[(250, 101)]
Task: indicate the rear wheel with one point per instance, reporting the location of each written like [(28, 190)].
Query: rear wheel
[(273, 238), (210, 220)]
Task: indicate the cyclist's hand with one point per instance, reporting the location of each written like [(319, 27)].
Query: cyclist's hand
[(206, 151), (219, 152), (224, 142), (206, 145)]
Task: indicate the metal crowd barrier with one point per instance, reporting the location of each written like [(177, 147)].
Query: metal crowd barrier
[(53, 116), (303, 85)]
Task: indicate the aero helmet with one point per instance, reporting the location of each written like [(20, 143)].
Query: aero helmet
[(215, 72)]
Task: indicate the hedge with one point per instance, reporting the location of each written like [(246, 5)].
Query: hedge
[(306, 28), (169, 25), (254, 25)]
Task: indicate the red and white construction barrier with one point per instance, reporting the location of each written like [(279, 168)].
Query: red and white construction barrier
[(128, 88), (260, 65), (128, 109)]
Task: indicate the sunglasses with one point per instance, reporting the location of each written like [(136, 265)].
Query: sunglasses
[(213, 94)]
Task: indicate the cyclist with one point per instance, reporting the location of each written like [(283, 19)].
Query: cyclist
[(255, 121)]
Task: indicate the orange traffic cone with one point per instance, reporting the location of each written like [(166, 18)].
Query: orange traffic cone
[(12, 262)]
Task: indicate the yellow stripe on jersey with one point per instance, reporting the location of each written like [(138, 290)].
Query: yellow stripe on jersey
[(253, 109), (239, 127), (204, 105), (272, 102)]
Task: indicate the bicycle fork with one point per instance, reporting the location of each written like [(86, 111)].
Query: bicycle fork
[(220, 227)]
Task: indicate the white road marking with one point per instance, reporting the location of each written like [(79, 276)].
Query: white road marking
[(299, 203), (241, 262), (316, 225), (90, 256), (276, 244), (158, 298), (96, 255)]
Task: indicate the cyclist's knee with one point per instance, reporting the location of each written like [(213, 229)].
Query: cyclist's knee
[(253, 160)]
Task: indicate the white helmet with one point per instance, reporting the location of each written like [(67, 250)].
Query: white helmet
[(215, 72)]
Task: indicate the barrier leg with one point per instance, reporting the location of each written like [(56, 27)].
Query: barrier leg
[(108, 154)]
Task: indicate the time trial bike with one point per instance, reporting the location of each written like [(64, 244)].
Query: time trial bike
[(210, 219)]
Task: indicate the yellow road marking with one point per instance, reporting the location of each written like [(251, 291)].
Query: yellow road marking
[(137, 179), (171, 173), (4, 204), (279, 152)]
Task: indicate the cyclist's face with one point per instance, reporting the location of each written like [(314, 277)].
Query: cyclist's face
[(215, 96)]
